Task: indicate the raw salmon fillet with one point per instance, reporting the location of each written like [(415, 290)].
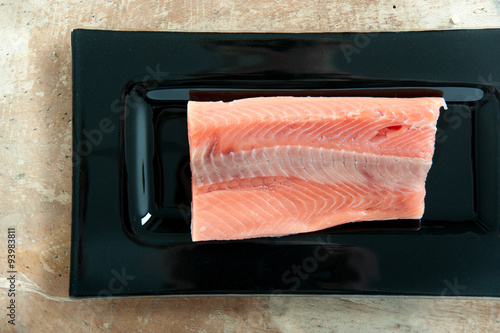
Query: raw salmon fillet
[(274, 166)]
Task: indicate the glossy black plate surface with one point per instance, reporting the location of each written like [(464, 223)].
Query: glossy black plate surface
[(131, 190)]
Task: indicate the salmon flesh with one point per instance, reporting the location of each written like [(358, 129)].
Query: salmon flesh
[(275, 166)]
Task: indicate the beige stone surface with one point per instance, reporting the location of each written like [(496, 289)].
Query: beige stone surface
[(35, 168)]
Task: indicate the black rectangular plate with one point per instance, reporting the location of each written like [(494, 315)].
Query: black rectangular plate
[(131, 181)]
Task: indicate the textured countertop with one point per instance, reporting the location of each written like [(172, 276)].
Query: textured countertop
[(35, 168)]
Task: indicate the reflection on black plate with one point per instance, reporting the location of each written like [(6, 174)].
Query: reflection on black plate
[(131, 201)]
